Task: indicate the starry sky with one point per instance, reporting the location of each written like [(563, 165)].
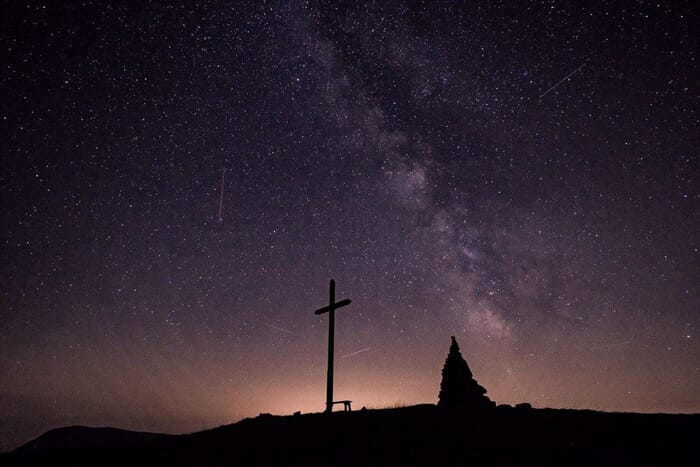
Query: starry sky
[(180, 182)]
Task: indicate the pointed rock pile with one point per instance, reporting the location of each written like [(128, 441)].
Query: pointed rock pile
[(458, 388)]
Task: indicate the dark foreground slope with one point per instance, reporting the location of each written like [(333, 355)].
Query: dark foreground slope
[(82, 437), (420, 435)]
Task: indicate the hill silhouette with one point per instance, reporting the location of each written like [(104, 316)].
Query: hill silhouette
[(82, 437), (464, 428), (416, 435)]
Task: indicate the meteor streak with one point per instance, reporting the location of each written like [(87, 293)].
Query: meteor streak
[(277, 328), (221, 197), (355, 353), (561, 81), (610, 346)]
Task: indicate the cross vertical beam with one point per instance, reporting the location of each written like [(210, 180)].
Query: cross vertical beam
[(330, 309), (331, 342)]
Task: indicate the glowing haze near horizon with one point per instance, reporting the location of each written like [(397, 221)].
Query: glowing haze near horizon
[(430, 158)]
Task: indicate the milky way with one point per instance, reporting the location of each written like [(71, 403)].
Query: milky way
[(180, 183)]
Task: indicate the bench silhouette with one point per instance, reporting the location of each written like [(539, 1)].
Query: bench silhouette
[(346, 405)]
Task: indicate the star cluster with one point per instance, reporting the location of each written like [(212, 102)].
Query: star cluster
[(524, 177)]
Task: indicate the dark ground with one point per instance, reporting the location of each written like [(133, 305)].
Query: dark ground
[(418, 435)]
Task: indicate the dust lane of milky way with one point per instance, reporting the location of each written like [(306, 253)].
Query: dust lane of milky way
[(181, 181)]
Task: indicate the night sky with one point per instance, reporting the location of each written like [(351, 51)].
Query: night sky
[(523, 177)]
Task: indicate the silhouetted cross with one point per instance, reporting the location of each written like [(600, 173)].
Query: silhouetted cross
[(330, 309)]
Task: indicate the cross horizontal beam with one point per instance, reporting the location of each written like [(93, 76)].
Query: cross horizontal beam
[(333, 306)]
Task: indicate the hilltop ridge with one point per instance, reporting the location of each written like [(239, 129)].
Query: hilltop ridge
[(415, 435)]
